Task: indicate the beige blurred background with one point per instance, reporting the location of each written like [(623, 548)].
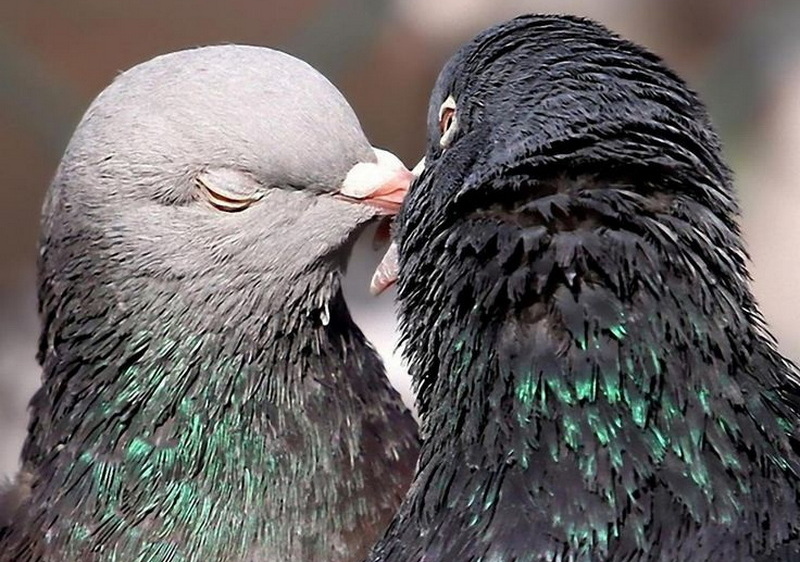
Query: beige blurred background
[(56, 55)]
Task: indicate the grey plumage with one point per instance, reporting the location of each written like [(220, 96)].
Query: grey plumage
[(206, 395)]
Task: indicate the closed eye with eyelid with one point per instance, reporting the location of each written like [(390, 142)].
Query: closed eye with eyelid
[(228, 189)]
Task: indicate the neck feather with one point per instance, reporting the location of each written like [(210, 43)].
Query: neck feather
[(585, 383), (218, 433)]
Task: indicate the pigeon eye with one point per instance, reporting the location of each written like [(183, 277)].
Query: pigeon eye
[(229, 190), (447, 121)]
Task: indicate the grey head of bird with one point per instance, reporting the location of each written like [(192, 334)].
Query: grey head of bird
[(206, 395), (594, 379), (214, 169)]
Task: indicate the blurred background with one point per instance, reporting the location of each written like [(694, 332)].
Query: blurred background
[(55, 56)]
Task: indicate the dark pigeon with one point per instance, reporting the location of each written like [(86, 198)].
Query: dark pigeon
[(595, 381), (206, 395)]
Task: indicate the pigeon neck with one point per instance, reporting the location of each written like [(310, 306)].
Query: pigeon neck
[(219, 432), (557, 393)]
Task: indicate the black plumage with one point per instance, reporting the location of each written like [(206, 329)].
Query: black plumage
[(594, 379)]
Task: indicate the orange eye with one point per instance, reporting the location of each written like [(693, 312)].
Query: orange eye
[(446, 120)]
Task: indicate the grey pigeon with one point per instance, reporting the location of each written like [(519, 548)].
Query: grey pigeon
[(206, 395)]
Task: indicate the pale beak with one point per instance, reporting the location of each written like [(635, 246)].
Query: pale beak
[(386, 273), (383, 183), (419, 168)]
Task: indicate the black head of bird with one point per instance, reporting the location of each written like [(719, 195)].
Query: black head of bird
[(206, 395), (594, 378)]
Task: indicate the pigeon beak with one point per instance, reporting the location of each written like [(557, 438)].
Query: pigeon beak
[(419, 168), (383, 183), (386, 273)]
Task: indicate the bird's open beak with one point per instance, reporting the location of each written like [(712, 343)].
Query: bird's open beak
[(386, 273), (383, 183)]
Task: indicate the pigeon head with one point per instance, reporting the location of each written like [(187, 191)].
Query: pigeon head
[(549, 89), (215, 169), (593, 378), (557, 122)]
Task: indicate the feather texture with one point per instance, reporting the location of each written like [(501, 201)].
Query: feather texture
[(206, 395), (594, 378)]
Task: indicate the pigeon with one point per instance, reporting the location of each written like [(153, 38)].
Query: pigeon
[(595, 381), (206, 395)]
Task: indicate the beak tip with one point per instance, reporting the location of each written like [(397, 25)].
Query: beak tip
[(386, 273), (418, 169)]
